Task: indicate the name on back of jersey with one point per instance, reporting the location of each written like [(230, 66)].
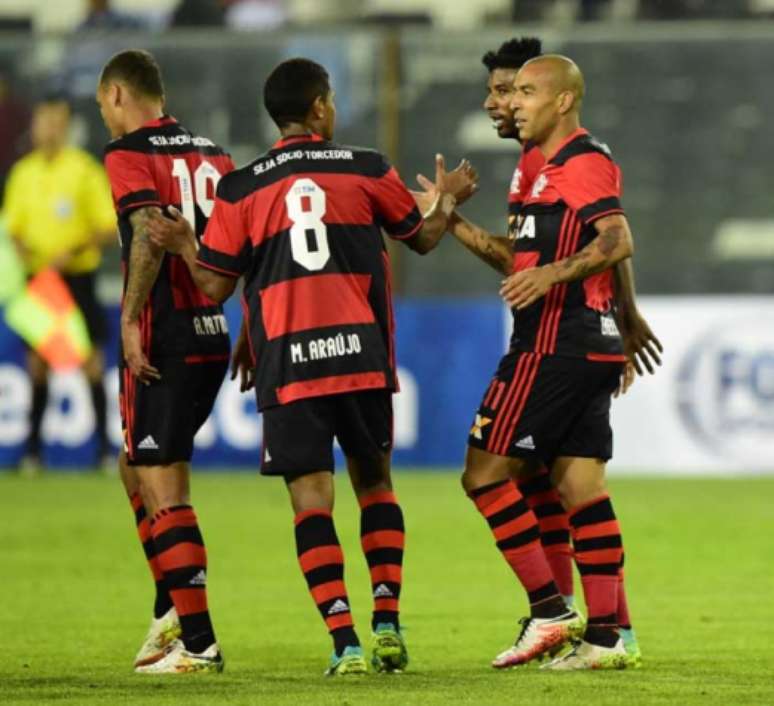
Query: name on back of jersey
[(180, 141), (283, 157), (210, 325), (323, 348)]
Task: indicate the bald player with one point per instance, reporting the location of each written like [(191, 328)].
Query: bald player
[(549, 400)]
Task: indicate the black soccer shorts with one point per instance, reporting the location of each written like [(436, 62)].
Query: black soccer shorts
[(298, 436), (542, 407), (160, 420)]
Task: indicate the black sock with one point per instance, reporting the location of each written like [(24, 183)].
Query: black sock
[(550, 608), (603, 635), (99, 402), (37, 410), (343, 638)]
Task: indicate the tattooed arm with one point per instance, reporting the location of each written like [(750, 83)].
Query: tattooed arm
[(612, 244), (145, 260), (494, 250)]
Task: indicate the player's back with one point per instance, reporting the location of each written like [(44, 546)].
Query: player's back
[(317, 276), (163, 164)]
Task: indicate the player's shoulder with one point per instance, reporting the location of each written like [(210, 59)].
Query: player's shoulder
[(583, 148)]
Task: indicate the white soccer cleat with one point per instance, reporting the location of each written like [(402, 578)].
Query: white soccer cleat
[(178, 660), (538, 636), (162, 633), (587, 656)]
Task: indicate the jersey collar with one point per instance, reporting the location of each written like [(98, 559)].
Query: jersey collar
[(567, 140), (160, 122), (285, 141)]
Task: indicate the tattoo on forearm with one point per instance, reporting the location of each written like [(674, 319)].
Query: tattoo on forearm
[(493, 250), (145, 260), (594, 258)]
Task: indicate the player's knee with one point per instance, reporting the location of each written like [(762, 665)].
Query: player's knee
[(311, 491), (578, 489)]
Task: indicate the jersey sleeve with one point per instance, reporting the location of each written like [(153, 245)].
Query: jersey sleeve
[(96, 200), (591, 185), (394, 206), (131, 180), (225, 246)]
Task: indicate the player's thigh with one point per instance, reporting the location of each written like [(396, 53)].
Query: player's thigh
[(159, 419), (578, 479), (298, 438), (364, 429), (483, 468)]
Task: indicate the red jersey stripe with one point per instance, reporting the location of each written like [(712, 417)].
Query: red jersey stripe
[(316, 302), (606, 357), (333, 385), (522, 401), (519, 375)]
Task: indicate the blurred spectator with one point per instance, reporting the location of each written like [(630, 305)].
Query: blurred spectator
[(693, 9), (59, 212), (101, 16), (255, 14), (198, 13), (14, 119)]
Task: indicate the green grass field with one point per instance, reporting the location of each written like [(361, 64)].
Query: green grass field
[(76, 598)]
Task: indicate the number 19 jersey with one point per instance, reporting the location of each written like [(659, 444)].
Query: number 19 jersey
[(303, 225), (163, 164)]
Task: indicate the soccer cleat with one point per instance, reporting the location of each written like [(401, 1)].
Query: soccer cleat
[(587, 656), (632, 647), (162, 632), (178, 660), (538, 636), (351, 661), (389, 653)]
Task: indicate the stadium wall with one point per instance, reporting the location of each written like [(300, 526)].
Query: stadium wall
[(709, 409)]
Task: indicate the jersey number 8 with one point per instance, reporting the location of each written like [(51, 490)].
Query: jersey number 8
[(305, 202)]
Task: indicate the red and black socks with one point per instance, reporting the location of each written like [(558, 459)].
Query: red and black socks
[(598, 554), (322, 563), (516, 532), (382, 536), (182, 557), (163, 602)]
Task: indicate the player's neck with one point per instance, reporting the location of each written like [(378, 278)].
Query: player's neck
[(562, 131), (142, 114), (298, 130), (51, 152)]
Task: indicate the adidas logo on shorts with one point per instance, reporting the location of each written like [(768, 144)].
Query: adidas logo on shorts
[(148, 443), (526, 443), (382, 592), (338, 606)]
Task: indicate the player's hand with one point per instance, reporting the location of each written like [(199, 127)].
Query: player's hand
[(461, 183), (527, 286), (627, 378), (172, 233), (640, 343), (135, 358), (242, 363)]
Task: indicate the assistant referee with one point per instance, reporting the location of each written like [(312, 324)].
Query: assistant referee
[(60, 214)]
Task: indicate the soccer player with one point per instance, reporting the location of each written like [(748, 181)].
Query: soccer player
[(549, 401), (174, 351), (303, 225), (640, 344), (59, 214)]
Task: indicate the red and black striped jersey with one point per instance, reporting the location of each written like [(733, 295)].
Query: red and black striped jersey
[(303, 225), (163, 164), (530, 163), (579, 184)]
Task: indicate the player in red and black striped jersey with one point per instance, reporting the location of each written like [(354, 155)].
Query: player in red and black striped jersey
[(174, 351), (302, 225)]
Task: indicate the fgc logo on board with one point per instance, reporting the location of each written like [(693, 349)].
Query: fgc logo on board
[(725, 391)]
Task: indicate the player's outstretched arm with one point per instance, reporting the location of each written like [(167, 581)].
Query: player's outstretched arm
[(612, 244), (434, 226), (640, 343), (175, 235), (145, 260), (494, 250)]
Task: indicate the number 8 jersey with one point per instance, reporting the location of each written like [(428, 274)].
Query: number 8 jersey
[(163, 164), (303, 225)]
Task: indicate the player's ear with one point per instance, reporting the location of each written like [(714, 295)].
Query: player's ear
[(319, 108), (566, 102)]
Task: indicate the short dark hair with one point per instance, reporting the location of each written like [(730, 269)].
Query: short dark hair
[(291, 89), (138, 69), (513, 54), (54, 97)]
